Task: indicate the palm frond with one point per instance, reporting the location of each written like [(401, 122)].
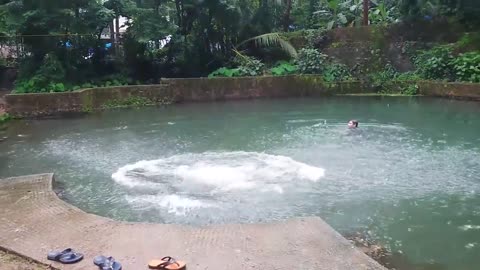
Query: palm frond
[(270, 40)]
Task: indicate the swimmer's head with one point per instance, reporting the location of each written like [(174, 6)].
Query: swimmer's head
[(353, 124)]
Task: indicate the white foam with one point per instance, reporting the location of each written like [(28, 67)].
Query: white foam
[(471, 245), (174, 204), (120, 128), (469, 227), (221, 172)]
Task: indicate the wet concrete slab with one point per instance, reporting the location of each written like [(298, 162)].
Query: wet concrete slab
[(33, 221)]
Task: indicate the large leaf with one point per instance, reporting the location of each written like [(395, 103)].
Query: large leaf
[(270, 40), (330, 25), (342, 18)]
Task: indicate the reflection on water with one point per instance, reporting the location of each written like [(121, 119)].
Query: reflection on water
[(408, 176)]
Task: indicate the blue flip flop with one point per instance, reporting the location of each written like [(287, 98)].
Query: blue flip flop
[(107, 263), (65, 256)]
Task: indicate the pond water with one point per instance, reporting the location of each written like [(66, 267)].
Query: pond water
[(409, 176)]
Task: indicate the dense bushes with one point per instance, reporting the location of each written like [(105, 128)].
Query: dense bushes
[(440, 63), (310, 61), (435, 63), (245, 66), (466, 67), (283, 68)]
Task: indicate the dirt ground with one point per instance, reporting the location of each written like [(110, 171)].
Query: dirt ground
[(13, 262)]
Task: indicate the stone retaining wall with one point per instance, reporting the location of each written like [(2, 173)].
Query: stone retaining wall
[(470, 91), (169, 91), (203, 89)]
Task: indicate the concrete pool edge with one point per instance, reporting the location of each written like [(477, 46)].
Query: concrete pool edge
[(34, 220), (215, 89)]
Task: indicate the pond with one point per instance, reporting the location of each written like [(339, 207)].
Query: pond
[(409, 176)]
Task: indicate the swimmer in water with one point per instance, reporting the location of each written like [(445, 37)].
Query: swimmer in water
[(352, 124)]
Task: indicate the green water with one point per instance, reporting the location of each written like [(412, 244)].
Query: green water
[(409, 177)]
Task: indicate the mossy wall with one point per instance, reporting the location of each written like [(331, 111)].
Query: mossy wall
[(470, 91), (208, 90), (369, 49)]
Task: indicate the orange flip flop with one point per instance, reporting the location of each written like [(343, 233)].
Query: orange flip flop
[(167, 263)]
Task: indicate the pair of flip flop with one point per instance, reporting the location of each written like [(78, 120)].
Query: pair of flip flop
[(167, 263), (69, 256)]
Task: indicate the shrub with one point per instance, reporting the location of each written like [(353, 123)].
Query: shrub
[(283, 68), (411, 89), (466, 67), (4, 117), (50, 71), (436, 63), (56, 87), (380, 78), (224, 72), (310, 61), (408, 76), (248, 66), (335, 72)]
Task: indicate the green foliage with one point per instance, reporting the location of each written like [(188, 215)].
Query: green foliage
[(383, 13), (335, 72), (191, 38), (310, 61), (249, 66), (331, 10), (246, 66), (272, 39), (283, 68), (467, 67), (435, 64), (465, 11), (224, 72), (410, 90), (410, 76), (56, 87), (379, 79), (4, 118), (469, 41), (389, 81), (439, 63)]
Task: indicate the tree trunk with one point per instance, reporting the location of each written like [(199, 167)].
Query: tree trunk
[(178, 7), (117, 29), (286, 16), (112, 33), (366, 4)]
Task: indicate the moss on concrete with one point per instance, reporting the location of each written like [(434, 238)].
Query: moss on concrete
[(132, 101)]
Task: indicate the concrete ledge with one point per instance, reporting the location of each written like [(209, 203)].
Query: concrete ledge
[(34, 220), (217, 89)]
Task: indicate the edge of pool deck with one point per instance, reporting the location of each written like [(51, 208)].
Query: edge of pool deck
[(33, 221)]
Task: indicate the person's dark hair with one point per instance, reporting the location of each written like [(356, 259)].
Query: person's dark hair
[(355, 122)]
